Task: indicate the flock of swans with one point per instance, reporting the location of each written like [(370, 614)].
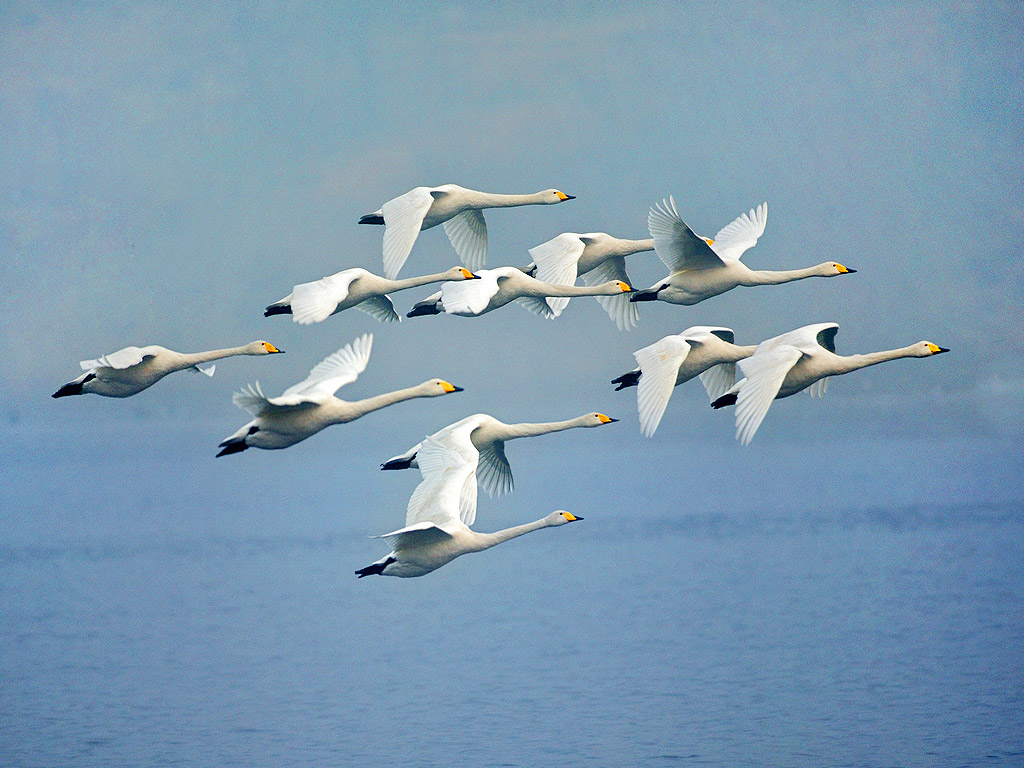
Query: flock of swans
[(456, 459)]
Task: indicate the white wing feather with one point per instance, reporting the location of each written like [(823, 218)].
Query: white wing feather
[(494, 471), (403, 218), (418, 535), (818, 388), (718, 379), (467, 232), (470, 297), (209, 370), (252, 399), (540, 306), (314, 302), (556, 261), (659, 365), (741, 234), (448, 466), (675, 243), (123, 358), (331, 373), (764, 373), (379, 307), (619, 308)]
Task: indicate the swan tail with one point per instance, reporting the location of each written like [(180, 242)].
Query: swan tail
[(277, 309), (729, 398), (630, 379), (376, 569), (372, 218), (426, 308), (401, 463)]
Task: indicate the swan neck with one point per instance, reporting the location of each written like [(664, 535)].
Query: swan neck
[(856, 362), (491, 200), (542, 289), (189, 359), (627, 247), (413, 282), (370, 404), (488, 540), (540, 428), (775, 277)]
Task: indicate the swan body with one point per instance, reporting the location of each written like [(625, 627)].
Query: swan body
[(130, 370), (704, 267), (438, 518), (316, 301), (497, 287), (597, 258), (460, 210), (487, 436), (309, 406), (800, 359), (704, 351)]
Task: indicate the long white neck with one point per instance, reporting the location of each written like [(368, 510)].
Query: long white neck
[(773, 277), (476, 199), (363, 407), (189, 359), (413, 282), (849, 363), (540, 289), (627, 247), (488, 540), (740, 352), (513, 431)]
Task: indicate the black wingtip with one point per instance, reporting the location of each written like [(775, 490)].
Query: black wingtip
[(423, 309), (74, 388), (729, 398), (229, 448), (372, 218), (630, 379), (275, 309), (644, 296), (396, 464)]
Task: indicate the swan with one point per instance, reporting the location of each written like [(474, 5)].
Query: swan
[(316, 301), (309, 406), (704, 267), (784, 365), (497, 287), (487, 436), (437, 521), (597, 258), (708, 352), (460, 210), (130, 370)]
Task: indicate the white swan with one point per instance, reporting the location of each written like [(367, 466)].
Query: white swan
[(784, 365), (497, 287), (460, 210), (487, 436), (130, 370), (704, 267), (309, 406), (702, 351), (594, 256), (316, 301), (437, 521)]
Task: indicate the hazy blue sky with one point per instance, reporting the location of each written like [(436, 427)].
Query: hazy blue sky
[(169, 169)]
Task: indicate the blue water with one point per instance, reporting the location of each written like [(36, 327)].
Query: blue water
[(213, 618)]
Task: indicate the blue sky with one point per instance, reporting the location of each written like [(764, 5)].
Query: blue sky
[(171, 169)]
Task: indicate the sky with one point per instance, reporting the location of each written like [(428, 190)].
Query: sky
[(170, 169)]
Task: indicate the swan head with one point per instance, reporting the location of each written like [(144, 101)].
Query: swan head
[(438, 387), (624, 287), (596, 420), (460, 273), (833, 268), (262, 348), (553, 196), (927, 349), (561, 517)]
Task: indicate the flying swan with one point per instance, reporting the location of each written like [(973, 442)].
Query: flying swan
[(316, 301), (704, 351), (309, 406), (460, 210), (130, 370), (437, 521), (704, 267), (784, 365)]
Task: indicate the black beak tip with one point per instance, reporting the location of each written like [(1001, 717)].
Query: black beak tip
[(850, 271), (941, 350), (611, 420), (577, 517), (457, 389), (570, 197)]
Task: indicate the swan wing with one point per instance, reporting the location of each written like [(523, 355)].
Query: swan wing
[(448, 466), (818, 388), (541, 306), (316, 301), (494, 471), (675, 243), (619, 308), (718, 379), (469, 297), (333, 372), (209, 370), (659, 364), (403, 218), (741, 234), (379, 307), (764, 373), (417, 535), (468, 234), (123, 358), (252, 399), (556, 262)]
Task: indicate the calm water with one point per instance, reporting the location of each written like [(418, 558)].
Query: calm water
[(229, 630)]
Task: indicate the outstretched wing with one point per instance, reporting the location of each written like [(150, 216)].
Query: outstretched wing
[(764, 373), (448, 467), (331, 373), (741, 234), (379, 307), (494, 472), (539, 306), (619, 308), (403, 218), (718, 379), (314, 302), (675, 243), (470, 297), (123, 358), (556, 262), (252, 399), (659, 365), (468, 234), (418, 535)]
